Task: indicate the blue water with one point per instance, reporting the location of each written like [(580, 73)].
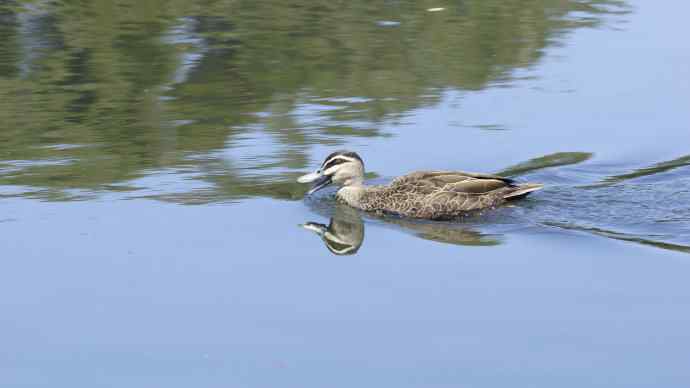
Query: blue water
[(152, 226)]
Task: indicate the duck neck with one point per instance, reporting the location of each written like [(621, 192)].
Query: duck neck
[(352, 194)]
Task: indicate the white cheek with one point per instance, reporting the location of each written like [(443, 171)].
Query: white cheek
[(330, 171)]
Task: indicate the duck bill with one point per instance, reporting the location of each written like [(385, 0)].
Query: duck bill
[(318, 179), (333, 243)]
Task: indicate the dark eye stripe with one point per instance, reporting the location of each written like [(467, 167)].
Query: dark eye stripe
[(334, 162)]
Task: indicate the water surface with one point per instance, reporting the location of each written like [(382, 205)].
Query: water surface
[(154, 231)]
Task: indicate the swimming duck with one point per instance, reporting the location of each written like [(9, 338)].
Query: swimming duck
[(433, 195)]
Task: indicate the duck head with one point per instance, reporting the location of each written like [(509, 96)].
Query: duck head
[(344, 168)]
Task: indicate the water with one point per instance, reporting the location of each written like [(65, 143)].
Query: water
[(155, 235)]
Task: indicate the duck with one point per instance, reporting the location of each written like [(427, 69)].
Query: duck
[(431, 195)]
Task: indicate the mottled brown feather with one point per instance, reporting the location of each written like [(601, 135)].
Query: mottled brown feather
[(440, 194)]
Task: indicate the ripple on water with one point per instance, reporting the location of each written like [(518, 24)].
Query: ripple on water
[(647, 206)]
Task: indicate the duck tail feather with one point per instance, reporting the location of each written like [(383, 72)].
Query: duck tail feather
[(523, 190)]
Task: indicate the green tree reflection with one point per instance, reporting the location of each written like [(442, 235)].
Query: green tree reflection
[(103, 95)]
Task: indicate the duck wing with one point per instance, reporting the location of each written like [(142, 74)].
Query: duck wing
[(476, 186), (447, 194), (457, 181)]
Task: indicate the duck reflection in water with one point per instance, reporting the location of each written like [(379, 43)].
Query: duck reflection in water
[(344, 233)]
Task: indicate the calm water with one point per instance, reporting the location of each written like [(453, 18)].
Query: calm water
[(154, 235)]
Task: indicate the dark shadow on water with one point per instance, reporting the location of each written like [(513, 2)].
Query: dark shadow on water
[(552, 160), (657, 168), (643, 240)]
